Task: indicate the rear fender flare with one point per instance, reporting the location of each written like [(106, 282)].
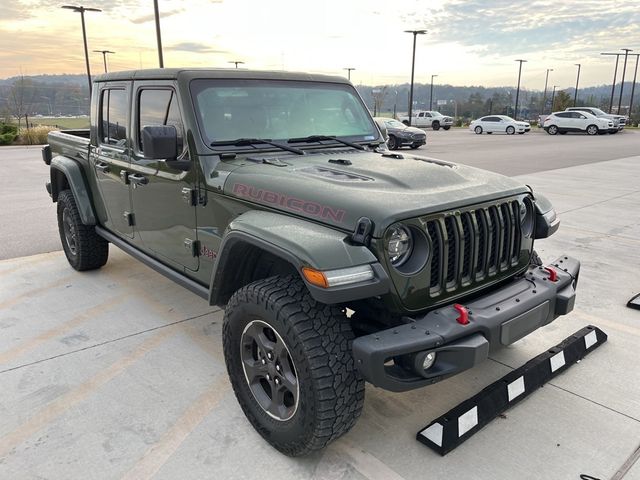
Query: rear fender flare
[(65, 171)]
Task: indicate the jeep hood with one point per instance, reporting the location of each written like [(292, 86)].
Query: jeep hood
[(340, 187)]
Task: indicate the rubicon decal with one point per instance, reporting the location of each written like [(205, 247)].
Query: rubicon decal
[(290, 203)]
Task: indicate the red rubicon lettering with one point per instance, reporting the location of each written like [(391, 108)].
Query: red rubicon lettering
[(291, 203)]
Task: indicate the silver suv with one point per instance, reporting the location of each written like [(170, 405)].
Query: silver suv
[(619, 121)]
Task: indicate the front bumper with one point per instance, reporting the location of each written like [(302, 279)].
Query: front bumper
[(497, 319), (413, 141)]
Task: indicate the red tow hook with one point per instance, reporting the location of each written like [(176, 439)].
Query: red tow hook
[(553, 275), (463, 319)]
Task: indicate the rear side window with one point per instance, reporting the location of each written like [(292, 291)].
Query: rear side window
[(113, 117), (564, 114), (159, 107)]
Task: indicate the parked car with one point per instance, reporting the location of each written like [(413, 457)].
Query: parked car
[(400, 135), (428, 119), (498, 123), (619, 121), (563, 122)]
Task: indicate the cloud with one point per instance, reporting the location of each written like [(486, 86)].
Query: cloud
[(195, 47), (151, 17)]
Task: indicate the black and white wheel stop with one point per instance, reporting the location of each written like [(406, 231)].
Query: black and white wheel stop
[(461, 422)]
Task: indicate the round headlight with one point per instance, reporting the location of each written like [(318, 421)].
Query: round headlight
[(400, 245), (527, 217)]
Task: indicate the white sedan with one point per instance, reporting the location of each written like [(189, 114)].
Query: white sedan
[(498, 123)]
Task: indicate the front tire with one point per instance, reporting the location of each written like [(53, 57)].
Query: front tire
[(435, 125), (510, 130), (83, 247), (313, 341), (592, 130), (392, 143), (478, 130)]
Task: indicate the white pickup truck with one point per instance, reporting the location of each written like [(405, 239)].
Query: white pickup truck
[(428, 119)]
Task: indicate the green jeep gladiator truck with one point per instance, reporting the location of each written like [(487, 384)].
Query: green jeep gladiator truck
[(273, 195)]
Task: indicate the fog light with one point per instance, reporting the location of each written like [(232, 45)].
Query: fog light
[(428, 361)]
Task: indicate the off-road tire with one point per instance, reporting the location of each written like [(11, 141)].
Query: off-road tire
[(392, 143), (319, 339), (88, 250), (435, 125), (535, 259)]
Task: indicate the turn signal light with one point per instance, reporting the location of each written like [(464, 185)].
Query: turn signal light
[(315, 277)]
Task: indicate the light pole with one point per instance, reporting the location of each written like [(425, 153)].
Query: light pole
[(575, 95), (544, 96), (236, 62), (104, 57), (413, 64), (431, 93), (624, 71), (633, 86), (395, 104), (348, 69), (515, 113), (158, 36), (615, 74), (553, 97), (80, 9)]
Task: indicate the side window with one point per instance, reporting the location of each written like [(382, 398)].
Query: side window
[(159, 107), (428, 115), (564, 114), (421, 114), (113, 117)]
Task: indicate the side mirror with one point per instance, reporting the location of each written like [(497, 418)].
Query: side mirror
[(160, 142)]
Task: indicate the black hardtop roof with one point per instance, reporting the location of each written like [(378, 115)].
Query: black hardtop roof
[(225, 73)]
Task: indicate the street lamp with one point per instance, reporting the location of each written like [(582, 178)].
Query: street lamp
[(158, 36), (104, 57), (413, 64), (348, 69), (615, 74), (431, 93), (544, 96), (80, 9), (553, 97), (518, 89), (236, 62), (624, 71), (633, 86), (575, 95)]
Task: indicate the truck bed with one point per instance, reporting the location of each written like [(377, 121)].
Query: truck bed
[(69, 143)]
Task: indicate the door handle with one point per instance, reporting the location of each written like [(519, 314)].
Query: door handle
[(103, 167), (136, 179)]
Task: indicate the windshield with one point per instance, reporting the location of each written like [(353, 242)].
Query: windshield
[(394, 123), (278, 110), (597, 112)]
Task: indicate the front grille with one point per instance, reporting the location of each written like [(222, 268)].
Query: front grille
[(474, 245)]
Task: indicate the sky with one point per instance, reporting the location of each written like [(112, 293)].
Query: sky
[(472, 42)]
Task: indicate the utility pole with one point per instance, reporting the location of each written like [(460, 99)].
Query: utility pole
[(158, 36), (624, 71), (80, 9), (544, 95), (515, 113), (104, 57), (431, 93), (575, 95), (348, 69), (413, 64), (553, 97)]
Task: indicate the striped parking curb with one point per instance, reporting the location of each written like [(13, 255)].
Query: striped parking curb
[(461, 422)]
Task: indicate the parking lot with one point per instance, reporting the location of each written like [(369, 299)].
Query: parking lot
[(119, 373)]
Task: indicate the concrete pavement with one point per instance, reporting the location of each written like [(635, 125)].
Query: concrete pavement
[(119, 373)]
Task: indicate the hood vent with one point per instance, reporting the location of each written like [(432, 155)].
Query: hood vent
[(336, 175)]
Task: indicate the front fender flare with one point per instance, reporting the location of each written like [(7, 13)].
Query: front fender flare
[(64, 167), (301, 243)]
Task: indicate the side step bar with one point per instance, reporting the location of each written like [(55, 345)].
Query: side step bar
[(159, 267), (461, 422)]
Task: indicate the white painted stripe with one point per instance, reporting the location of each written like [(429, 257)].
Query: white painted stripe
[(433, 433), (590, 339), (557, 361), (515, 388), (467, 421)]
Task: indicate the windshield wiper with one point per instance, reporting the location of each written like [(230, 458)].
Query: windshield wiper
[(244, 142), (320, 138)]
